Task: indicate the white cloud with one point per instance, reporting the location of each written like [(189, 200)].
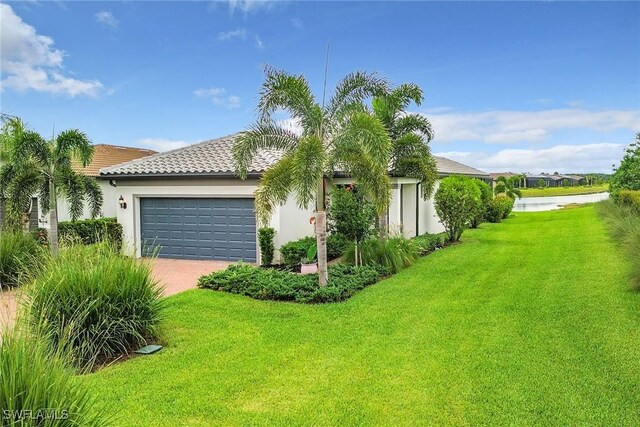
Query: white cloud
[(248, 6), (107, 19), (259, 43), (562, 158), (239, 33), (30, 62), (505, 127), (161, 144), (218, 96)]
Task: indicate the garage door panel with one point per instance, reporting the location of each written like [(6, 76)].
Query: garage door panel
[(199, 228)]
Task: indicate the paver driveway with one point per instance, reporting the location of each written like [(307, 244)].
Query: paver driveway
[(178, 275)]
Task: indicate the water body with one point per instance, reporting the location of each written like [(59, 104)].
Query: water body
[(539, 204)]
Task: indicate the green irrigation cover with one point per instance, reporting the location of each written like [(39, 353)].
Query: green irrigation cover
[(148, 349)]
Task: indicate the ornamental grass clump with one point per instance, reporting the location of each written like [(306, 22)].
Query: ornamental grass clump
[(20, 258), (97, 302), (38, 388), (393, 253)]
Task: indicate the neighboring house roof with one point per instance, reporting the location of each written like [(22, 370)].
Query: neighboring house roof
[(215, 157), (449, 167), (105, 155)]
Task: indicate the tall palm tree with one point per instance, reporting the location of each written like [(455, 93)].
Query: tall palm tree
[(507, 187), (410, 135), (33, 165), (340, 135)]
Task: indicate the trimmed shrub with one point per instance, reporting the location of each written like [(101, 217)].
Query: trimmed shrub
[(89, 231), (100, 303), (296, 250), (499, 208), (33, 378), (394, 253), (486, 195), (20, 258), (430, 242), (630, 199), (272, 284), (623, 223), (457, 201), (265, 239), (350, 214)]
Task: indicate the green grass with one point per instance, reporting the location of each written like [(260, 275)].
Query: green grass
[(563, 191), (527, 322)]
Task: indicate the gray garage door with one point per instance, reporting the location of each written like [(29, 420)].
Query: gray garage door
[(192, 228)]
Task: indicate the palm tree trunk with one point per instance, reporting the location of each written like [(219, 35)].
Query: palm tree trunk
[(383, 224), (53, 219), (321, 235)]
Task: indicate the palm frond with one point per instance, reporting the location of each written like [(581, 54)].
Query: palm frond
[(355, 88), (408, 92), (71, 186), (308, 167), (291, 93), (93, 195), (414, 123), (262, 135), (19, 191), (412, 158), (73, 145), (274, 187)]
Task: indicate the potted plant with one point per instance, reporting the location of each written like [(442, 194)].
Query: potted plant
[(309, 264)]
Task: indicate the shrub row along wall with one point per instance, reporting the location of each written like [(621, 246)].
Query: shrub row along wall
[(87, 231)]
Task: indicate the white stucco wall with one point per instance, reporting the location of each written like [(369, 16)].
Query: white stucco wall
[(429, 221), (109, 204)]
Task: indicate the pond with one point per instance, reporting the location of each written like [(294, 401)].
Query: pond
[(538, 204)]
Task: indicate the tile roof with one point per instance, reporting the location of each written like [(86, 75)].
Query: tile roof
[(215, 157), (105, 155)]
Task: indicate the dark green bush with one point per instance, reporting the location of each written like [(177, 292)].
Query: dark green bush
[(296, 250), (100, 303), (272, 284), (350, 214), (394, 253), (33, 378), (499, 208), (20, 258), (629, 198), (265, 239), (457, 202), (89, 231), (430, 242), (627, 174), (486, 195)]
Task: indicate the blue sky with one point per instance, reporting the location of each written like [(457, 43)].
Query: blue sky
[(542, 86)]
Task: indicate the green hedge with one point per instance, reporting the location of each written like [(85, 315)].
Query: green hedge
[(294, 251), (430, 242), (629, 198), (499, 208), (91, 231), (272, 284)]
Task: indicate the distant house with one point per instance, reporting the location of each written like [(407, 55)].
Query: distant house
[(104, 155), (191, 204), (549, 180)]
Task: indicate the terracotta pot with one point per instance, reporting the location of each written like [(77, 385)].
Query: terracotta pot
[(308, 268)]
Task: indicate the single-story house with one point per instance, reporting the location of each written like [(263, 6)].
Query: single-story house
[(104, 155), (190, 204)]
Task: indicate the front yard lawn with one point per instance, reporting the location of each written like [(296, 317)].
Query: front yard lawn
[(530, 321)]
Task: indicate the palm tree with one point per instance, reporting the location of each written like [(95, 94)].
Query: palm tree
[(410, 135), (339, 136), (507, 187), (33, 165)]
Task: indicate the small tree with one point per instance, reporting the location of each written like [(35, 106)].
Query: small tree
[(351, 215), (33, 165), (627, 175), (265, 239), (486, 195), (541, 183), (457, 201)]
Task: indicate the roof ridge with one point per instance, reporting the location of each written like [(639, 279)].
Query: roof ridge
[(163, 153)]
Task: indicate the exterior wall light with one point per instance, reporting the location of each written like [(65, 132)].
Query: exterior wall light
[(122, 203)]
